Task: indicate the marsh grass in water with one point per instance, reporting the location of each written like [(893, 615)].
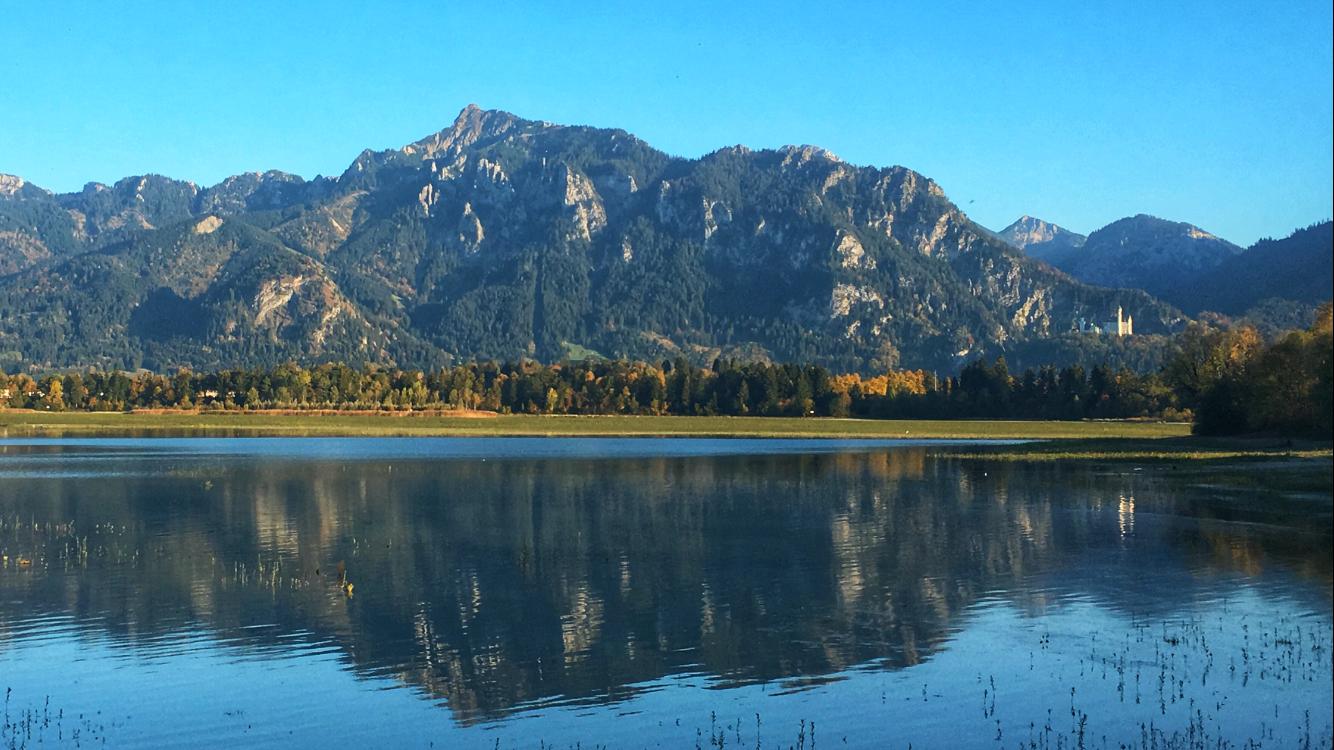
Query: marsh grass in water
[(871, 598), (24, 726), (1162, 449)]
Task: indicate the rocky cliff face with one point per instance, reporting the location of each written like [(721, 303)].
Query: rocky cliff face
[(1042, 240), (503, 237)]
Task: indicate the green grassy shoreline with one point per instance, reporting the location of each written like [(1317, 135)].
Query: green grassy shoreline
[(30, 423), (1052, 441)]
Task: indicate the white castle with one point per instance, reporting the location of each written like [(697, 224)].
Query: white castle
[(1124, 325)]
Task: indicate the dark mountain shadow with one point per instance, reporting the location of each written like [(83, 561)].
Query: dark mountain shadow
[(165, 315)]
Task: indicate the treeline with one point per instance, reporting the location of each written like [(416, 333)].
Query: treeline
[(1231, 381), (612, 387), (1238, 383)]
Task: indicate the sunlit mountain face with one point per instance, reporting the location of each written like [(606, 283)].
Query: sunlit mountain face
[(500, 237)]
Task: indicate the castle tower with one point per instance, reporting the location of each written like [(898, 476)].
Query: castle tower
[(1125, 325)]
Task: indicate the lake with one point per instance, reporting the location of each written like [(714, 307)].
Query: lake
[(661, 593)]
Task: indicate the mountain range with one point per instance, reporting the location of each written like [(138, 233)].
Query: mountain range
[(500, 237), (1190, 268)]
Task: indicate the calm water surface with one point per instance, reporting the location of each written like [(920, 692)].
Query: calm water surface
[(526, 593)]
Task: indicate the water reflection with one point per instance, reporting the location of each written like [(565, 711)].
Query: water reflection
[(504, 583)]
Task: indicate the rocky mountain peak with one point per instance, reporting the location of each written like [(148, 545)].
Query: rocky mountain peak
[(250, 191), (256, 178), (1029, 230), (10, 184), (801, 155), (1042, 239), (141, 185), (472, 125), (13, 186)]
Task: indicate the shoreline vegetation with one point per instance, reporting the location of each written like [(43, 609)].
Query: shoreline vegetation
[(1139, 440), (1222, 394), (444, 423), (1227, 382)]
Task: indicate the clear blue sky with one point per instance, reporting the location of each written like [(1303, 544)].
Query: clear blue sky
[(1218, 113)]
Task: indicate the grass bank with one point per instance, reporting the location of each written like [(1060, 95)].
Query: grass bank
[(168, 423), (1165, 449)]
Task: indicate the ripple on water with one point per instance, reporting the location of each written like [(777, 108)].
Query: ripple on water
[(647, 599)]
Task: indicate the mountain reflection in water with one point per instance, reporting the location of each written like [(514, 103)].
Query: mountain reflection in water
[(497, 585)]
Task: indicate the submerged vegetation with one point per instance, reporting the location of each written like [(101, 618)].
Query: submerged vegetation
[(1164, 449), (526, 603)]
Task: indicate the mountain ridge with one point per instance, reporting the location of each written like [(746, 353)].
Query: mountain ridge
[(504, 237), (1298, 268), (1275, 283), (1144, 252)]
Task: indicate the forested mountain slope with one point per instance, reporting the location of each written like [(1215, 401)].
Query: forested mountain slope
[(500, 237), (1274, 284), (1298, 268)]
